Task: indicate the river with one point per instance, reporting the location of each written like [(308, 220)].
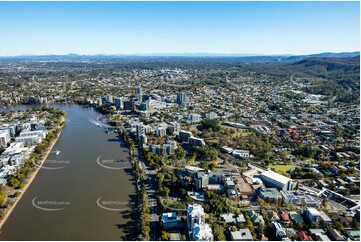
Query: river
[(85, 192)]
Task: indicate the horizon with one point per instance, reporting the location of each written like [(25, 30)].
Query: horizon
[(148, 28), (182, 54)]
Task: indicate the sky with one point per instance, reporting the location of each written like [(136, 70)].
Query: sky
[(40, 28)]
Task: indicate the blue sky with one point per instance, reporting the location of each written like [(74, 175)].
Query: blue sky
[(178, 27)]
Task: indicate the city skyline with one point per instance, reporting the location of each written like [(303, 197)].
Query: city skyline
[(126, 28)]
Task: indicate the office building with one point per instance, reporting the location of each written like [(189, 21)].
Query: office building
[(181, 98), (270, 195), (325, 219), (169, 221), (129, 105), (201, 179), (139, 94), (109, 98), (140, 130), (138, 91), (118, 102), (275, 180), (300, 198), (144, 106), (312, 215), (100, 101)]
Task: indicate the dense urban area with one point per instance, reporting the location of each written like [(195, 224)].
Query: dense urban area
[(223, 148)]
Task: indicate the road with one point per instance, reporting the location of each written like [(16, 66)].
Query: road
[(150, 186)]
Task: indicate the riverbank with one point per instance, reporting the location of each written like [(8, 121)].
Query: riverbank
[(30, 179)]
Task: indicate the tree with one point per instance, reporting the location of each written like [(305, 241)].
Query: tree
[(314, 225), (13, 181), (145, 231), (165, 191), (212, 165), (165, 235), (300, 225), (3, 196), (261, 228), (339, 226), (355, 224), (212, 124), (218, 233), (182, 192), (249, 225), (180, 153), (261, 201)]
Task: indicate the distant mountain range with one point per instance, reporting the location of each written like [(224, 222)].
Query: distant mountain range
[(248, 57)]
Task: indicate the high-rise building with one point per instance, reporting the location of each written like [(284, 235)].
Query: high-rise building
[(140, 130), (195, 215), (139, 94), (181, 97), (100, 101), (197, 228), (143, 139), (109, 98), (155, 149), (167, 149), (160, 132), (118, 102), (174, 128), (129, 105), (144, 106), (202, 232), (138, 91)]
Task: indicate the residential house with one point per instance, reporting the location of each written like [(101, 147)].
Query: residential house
[(242, 235), (319, 235), (256, 218), (335, 235)]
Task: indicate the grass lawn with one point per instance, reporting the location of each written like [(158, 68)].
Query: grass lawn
[(283, 168), (244, 132)]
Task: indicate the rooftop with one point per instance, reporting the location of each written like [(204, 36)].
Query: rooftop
[(313, 211), (169, 217), (242, 234), (269, 193), (275, 176)]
